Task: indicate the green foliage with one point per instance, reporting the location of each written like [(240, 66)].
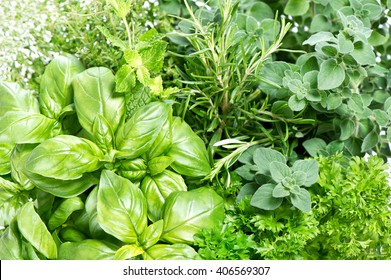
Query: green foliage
[(111, 190), (270, 179), (351, 202)]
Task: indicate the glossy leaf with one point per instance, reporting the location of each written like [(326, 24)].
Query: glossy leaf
[(35, 231), (103, 134), (18, 159), (159, 164), (162, 142), (64, 210), (127, 252), (56, 90), (134, 169), (88, 249), (10, 206), (23, 127), (63, 188), (120, 198), (71, 234), (151, 234), (64, 157), (157, 188), (188, 151), (94, 95), (138, 134), (5, 154), (10, 243), (171, 252), (14, 98), (186, 213)]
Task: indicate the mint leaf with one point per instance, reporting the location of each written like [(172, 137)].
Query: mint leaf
[(125, 79)]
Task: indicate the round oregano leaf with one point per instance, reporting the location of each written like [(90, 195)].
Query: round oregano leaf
[(263, 198), (302, 200), (331, 74)]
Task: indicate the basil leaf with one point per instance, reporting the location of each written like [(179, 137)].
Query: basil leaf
[(171, 252), (35, 231), (122, 209), (62, 213), (18, 159), (56, 90), (186, 213), (24, 127), (159, 164), (10, 243), (151, 234), (138, 134), (63, 188), (103, 134), (94, 95), (88, 249), (71, 234), (14, 98), (64, 157), (162, 142), (10, 205), (128, 251), (5, 154), (188, 151), (157, 188)]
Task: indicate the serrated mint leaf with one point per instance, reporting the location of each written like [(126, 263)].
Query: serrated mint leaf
[(125, 79), (133, 58)]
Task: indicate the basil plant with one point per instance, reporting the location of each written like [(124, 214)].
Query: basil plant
[(81, 180), (271, 180)]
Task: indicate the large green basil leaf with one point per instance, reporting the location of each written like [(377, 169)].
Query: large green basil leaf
[(23, 127), (186, 213), (188, 151), (5, 154), (64, 157), (44, 202), (122, 208), (56, 90), (138, 134), (35, 231), (162, 142), (14, 98), (94, 95), (103, 134), (10, 205), (159, 164), (64, 210), (18, 159), (88, 249), (95, 229), (171, 252), (63, 188), (10, 244), (157, 188)]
